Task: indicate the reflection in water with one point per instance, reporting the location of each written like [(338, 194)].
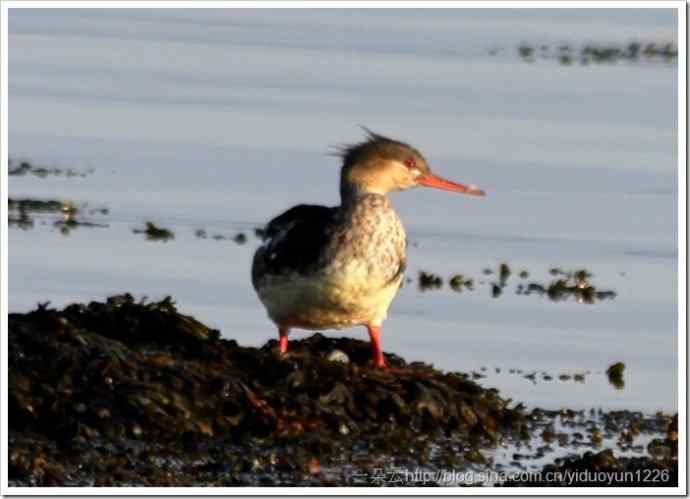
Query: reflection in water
[(24, 167), (429, 281), (239, 238), (155, 233), (573, 284), (599, 53), (458, 282), (567, 284), (66, 216)]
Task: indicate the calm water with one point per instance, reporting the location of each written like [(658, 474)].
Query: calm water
[(218, 120)]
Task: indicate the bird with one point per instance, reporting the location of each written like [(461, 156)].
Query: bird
[(322, 267)]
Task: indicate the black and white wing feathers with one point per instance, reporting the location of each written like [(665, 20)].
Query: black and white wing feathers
[(294, 241)]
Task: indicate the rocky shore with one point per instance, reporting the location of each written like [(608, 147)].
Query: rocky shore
[(128, 392)]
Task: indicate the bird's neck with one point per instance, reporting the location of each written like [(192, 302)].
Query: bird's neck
[(351, 193)]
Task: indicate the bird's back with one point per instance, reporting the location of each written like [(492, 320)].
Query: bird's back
[(294, 241)]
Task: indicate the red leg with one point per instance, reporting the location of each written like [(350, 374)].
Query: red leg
[(376, 350), (283, 332)]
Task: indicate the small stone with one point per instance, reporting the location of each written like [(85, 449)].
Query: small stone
[(615, 375), (504, 272), (338, 356), (672, 432), (562, 439), (474, 456), (456, 282), (616, 370), (314, 466), (548, 435), (596, 437)]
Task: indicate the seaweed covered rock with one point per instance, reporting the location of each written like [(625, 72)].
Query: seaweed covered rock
[(104, 378)]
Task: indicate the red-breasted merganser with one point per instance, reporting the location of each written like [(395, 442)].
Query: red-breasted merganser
[(334, 267)]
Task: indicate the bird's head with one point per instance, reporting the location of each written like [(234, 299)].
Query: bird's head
[(381, 165)]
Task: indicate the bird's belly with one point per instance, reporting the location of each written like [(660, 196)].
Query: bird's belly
[(327, 301)]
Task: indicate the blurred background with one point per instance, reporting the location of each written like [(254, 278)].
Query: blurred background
[(207, 123)]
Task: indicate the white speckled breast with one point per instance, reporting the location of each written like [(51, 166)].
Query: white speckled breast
[(368, 245), (356, 278)]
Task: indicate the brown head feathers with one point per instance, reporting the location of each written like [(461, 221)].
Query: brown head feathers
[(376, 146)]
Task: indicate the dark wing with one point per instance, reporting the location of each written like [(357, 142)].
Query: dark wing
[(294, 240)]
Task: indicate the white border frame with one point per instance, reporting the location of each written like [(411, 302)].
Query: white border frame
[(680, 7)]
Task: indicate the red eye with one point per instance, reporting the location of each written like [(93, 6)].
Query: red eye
[(410, 163)]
